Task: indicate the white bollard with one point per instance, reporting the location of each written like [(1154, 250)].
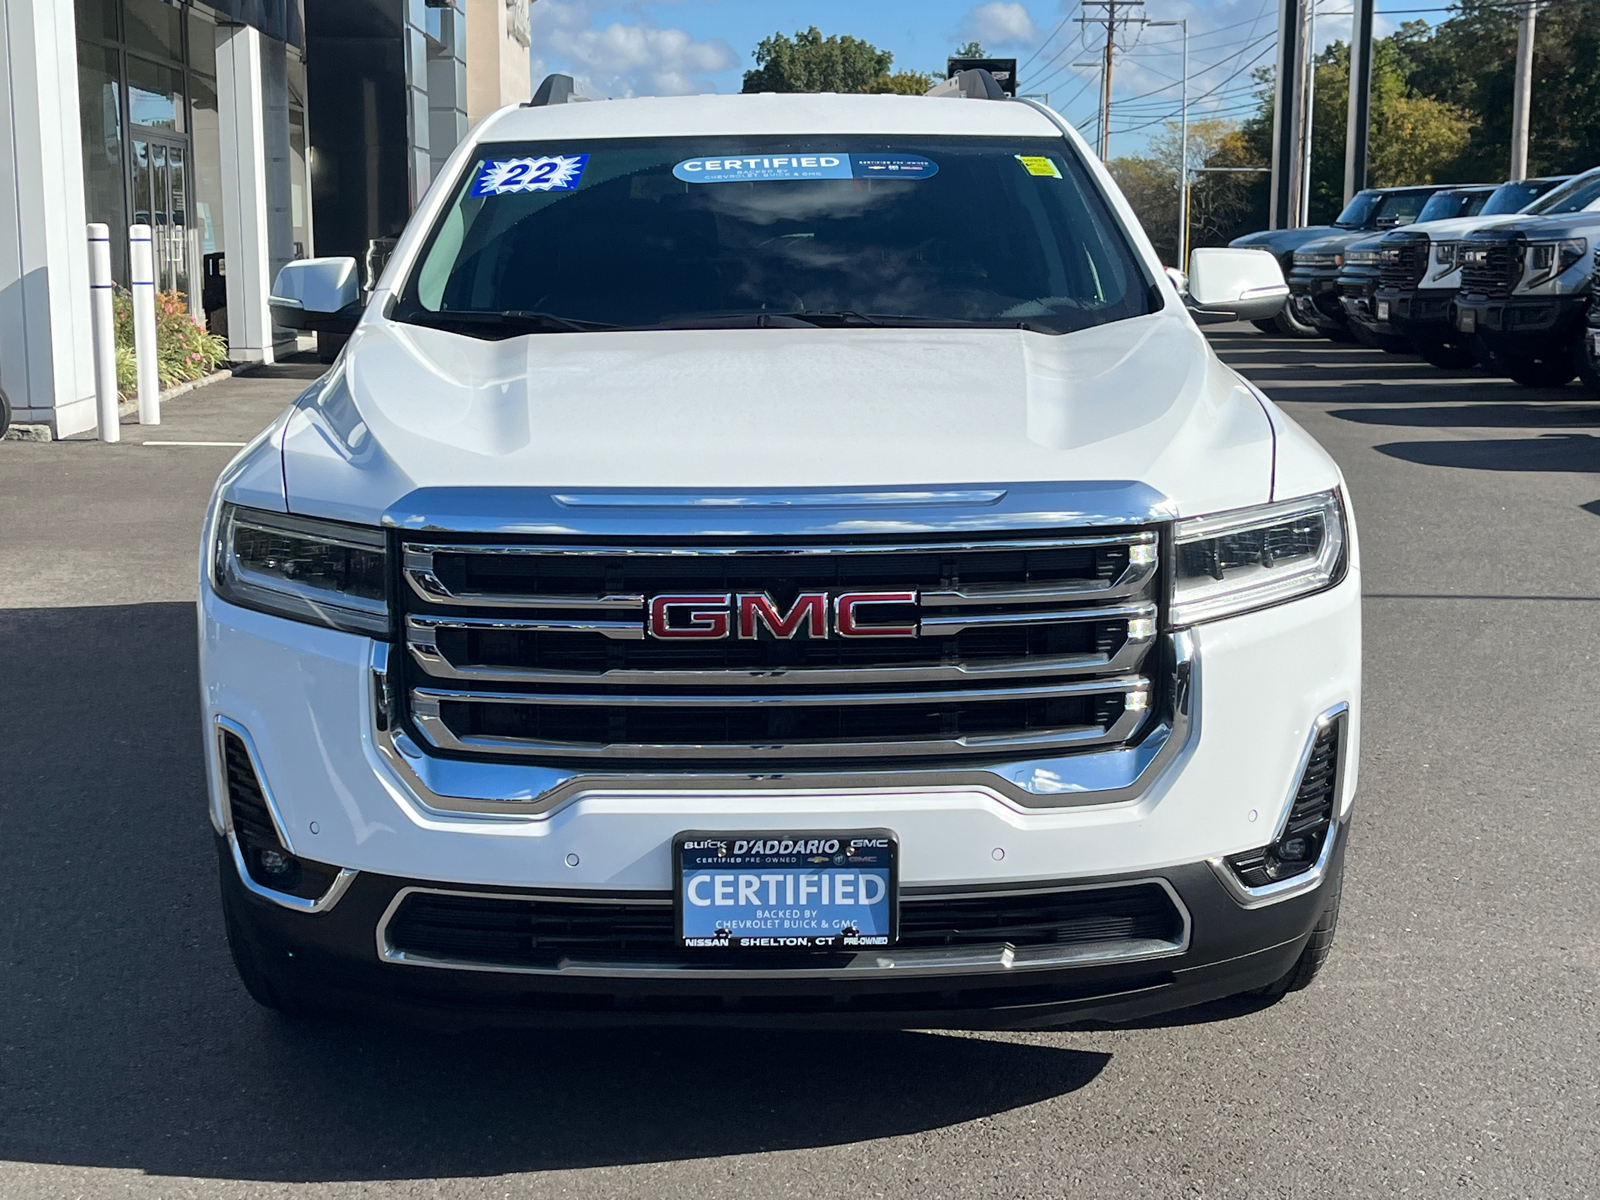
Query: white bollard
[(103, 324), (143, 262)]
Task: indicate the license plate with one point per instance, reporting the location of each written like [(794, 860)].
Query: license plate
[(786, 891), (1466, 320), (1594, 342), (1383, 310)]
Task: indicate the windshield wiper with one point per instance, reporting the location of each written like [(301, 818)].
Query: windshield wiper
[(510, 323), (840, 316)]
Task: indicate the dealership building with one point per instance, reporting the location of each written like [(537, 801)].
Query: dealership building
[(245, 133)]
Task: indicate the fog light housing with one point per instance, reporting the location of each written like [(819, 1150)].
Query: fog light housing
[(251, 822), (1309, 824)]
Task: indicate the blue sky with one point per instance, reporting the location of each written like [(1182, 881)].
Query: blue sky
[(652, 47)]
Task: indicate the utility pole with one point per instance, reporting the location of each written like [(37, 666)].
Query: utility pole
[(1123, 12), (1359, 125), (1308, 109), (1523, 98), (1183, 148), (1288, 101)]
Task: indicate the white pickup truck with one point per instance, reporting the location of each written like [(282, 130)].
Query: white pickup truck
[(780, 559)]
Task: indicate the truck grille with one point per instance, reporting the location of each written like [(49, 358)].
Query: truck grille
[(1403, 261), (1491, 268), (1019, 643)]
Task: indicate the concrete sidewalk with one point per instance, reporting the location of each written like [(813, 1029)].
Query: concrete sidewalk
[(86, 523)]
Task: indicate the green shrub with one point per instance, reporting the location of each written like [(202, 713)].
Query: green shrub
[(184, 350)]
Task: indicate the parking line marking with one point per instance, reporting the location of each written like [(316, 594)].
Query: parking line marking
[(194, 443)]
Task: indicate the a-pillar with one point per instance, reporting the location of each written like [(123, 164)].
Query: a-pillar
[(46, 354), (242, 115)]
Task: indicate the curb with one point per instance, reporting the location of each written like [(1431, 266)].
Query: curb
[(127, 407)]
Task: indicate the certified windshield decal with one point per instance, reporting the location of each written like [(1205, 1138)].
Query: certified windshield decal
[(510, 176), (759, 168)]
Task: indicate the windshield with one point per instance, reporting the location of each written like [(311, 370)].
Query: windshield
[(1357, 212), (725, 232), (1514, 197), (1442, 206), (1575, 195)]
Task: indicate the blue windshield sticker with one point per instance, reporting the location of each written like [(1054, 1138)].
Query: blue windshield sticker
[(510, 176), (757, 168)]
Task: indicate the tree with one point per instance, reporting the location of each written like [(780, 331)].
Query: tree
[(808, 62), (1217, 200), (903, 83), (973, 49)]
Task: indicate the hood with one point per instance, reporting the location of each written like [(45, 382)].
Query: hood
[(410, 410), (1456, 226), (1332, 243), (1281, 241), (1578, 224)]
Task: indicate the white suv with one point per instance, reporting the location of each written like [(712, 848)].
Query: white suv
[(780, 558)]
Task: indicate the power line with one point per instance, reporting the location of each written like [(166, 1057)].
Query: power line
[(1047, 41)]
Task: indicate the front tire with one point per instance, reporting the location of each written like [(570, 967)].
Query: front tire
[(1583, 361), (267, 986), (1542, 372), (1447, 356), (1311, 960), (1270, 328)]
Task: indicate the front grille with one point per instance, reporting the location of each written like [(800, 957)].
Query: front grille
[(1491, 267), (1021, 643), (1403, 261), (1358, 283), (1310, 818), (537, 933)]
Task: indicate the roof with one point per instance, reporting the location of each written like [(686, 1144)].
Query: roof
[(767, 113)]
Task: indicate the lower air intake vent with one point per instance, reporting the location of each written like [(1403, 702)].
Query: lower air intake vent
[(266, 858), (530, 932), (1305, 832)]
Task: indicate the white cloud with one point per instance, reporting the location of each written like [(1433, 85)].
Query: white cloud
[(1001, 23), (623, 58)]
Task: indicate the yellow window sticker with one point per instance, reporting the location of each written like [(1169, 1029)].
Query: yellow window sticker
[(1038, 164)]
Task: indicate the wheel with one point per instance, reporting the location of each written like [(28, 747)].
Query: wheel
[(1542, 372), (1316, 952), (5, 414), (1448, 357), (1338, 333), (1290, 324), (1267, 327), (1583, 360)]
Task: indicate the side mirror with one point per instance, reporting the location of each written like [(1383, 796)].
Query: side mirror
[(318, 295), (1235, 285)]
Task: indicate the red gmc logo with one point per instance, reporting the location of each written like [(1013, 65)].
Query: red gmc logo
[(711, 615)]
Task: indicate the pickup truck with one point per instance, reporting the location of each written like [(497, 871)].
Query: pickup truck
[(1370, 211), (780, 559)]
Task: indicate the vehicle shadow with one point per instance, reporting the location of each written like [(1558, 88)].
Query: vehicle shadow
[(1477, 416), (1576, 452), (128, 1042)]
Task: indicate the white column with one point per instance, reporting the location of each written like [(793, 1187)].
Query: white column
[(46, 351), (142, 283), (241, 96)]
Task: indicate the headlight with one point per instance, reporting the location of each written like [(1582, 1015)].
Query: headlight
[(1237, 561), (1557, 257), (1318, 260), (1444, 254), (1363, 258), (321, 572)]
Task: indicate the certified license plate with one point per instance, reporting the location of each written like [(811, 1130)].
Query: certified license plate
[(1594, 342), (786, 891), (1383, 310)]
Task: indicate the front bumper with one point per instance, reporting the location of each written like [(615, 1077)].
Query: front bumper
[(1421, 314), (347, 793), (342, 959), (1315, 296), (1521, 325)]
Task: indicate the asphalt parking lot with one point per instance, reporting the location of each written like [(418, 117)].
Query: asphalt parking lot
[(1451, 1047)]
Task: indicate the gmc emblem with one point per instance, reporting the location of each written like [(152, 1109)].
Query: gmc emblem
[(712, 615)]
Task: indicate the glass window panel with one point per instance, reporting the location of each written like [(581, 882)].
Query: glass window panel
[(141, 182), (97, 19), (155, 28), (183, 249), (205, 187), (100, 117), (202, 44), (155, 95)]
